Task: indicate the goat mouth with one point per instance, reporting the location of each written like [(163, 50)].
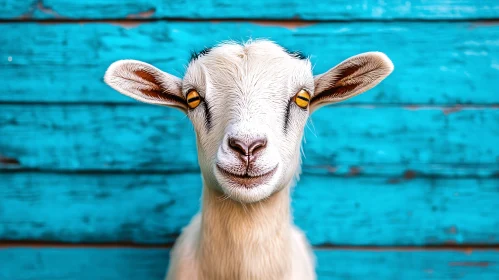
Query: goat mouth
[(247, 180)]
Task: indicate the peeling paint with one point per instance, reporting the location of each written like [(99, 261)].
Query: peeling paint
[(29, 13), (286, 24), (292, 10), (393, 181), (452, 230), (126, 24), (9, 160), (40, 6), (412, 107), (454, 109), (409, 174), (331, 169), (354, 170), (485, 23), (47, 10), (142, 15)]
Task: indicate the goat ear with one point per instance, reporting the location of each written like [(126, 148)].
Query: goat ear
[(349, 78), (146, 83)]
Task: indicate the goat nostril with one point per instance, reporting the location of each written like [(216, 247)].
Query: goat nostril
[(247, 150), (238, 146), (257, 146)]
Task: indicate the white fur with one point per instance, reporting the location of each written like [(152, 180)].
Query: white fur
[(247, 91)]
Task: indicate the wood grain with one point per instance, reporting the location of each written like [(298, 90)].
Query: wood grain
[(153, 208), (127, 263), (413, 162), (223, 9), (366, 140), (435, 63)]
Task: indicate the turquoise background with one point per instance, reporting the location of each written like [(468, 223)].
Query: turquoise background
[(399, 183)]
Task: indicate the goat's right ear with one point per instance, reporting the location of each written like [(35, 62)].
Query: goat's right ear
[(146, 83)]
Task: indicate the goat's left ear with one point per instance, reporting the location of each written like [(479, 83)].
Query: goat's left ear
[(146, 83), (350, 78)]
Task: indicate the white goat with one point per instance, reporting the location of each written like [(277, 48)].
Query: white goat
[(249, 104)]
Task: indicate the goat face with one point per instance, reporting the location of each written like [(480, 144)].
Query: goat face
[(249, 105), (248, 123)]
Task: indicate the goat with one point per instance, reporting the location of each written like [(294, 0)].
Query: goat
[(249, 104)]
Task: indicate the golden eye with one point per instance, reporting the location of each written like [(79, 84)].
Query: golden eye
[(302, 98), (193, 99)]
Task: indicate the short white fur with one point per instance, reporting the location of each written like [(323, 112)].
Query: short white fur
[(245, 229)]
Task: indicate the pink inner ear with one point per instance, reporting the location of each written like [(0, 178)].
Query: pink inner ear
[(347, 70), (154, 90), (345, 82), (338, 91), (146, 76)]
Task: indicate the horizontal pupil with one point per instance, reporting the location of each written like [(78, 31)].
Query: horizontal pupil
[(193, 99), (303, 98)]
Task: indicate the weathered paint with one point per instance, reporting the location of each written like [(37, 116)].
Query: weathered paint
[(352, 139), (274, 9), (152, 208), (435, 63), (414, 163), (128, 263)]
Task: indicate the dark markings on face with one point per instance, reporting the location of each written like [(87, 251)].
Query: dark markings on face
[(196, 55), (287, 116), (207, 114)]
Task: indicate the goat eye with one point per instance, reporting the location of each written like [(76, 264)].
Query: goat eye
[(193, 99), (302, 98)]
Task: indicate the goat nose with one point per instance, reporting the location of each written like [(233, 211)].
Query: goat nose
[(247, 148)]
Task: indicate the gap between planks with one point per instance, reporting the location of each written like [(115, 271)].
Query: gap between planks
[(467, 248), (283, 22), (407, 174)]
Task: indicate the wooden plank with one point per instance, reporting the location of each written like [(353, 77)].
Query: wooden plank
[(153, 208), (408, 265), (223, 9), (129, 263), (435, 63), (367, 140)]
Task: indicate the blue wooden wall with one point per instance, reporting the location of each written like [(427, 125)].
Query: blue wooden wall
[(399, 183)]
